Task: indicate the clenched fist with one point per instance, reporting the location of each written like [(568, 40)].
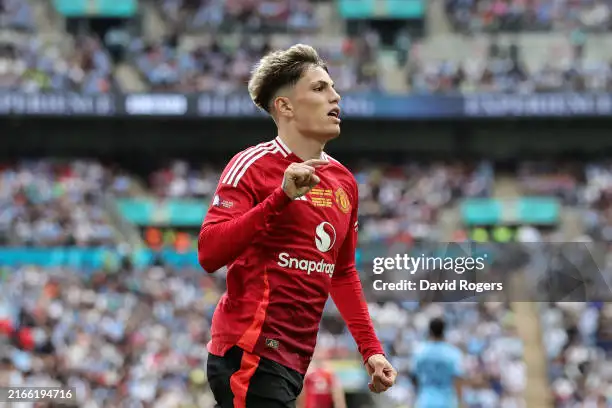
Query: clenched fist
[(381, 372), (300, 178)]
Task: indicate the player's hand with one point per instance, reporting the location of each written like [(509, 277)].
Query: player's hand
[(382, 374), (300, 178)]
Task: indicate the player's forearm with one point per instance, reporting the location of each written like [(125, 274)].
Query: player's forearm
[(459, 391), (219, 244), (347, 294), (339, 397)]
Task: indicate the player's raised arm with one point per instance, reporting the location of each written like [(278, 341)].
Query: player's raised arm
[(234, 220)]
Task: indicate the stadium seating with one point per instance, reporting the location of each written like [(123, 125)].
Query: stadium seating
[(119, 338), (35, 63), (46, 204), (255, 16), (516, 15)]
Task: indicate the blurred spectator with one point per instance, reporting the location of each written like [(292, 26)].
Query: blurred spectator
[(550, 179), (16, 14), (596, 196), (179, 180)]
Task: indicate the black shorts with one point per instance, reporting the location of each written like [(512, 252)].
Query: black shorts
[(244, 380)]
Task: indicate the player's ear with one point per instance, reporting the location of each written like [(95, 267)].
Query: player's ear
[(283, 106)]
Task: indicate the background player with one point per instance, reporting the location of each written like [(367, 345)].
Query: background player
[(322, 389), (437, 371)]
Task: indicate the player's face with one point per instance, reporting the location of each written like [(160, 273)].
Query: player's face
[(315, 108)]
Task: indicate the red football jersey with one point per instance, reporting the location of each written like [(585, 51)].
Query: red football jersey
[(318, 388), (285, 257)]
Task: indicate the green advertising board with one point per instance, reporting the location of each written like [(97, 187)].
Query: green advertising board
[(524, 211), (388, 9), (96, 8), (173, 212)]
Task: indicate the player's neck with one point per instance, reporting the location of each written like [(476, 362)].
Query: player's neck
[(305, 148)]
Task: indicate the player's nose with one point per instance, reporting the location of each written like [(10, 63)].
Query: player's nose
[(335, 96)]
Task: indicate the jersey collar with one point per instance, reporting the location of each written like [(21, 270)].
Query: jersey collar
[(286, 152)]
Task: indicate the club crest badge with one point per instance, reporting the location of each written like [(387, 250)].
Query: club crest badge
[(342, 200)]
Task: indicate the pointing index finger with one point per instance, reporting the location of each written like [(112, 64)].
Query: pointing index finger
[(316, 162)]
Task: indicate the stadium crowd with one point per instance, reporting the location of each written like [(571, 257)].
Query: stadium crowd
[(503, 69), (560, 180), (253, 16), (222, 62), (471, 16), (16, 14), (576, 320), (123, 338), (33, 64), (44, 203)]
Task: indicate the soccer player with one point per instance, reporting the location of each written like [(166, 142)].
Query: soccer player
[(321, 388), (437, 370), (284, 221)]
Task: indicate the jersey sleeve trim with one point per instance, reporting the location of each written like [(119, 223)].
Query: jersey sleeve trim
[(244, 160)]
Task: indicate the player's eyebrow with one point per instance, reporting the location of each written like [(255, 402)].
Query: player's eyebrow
[(324, 83)]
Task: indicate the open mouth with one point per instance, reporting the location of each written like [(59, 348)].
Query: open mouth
[(335, 113)]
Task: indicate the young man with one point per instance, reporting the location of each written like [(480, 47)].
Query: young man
[(284, 220), (437, 371)]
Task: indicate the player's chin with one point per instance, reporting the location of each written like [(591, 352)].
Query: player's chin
[(332, 131)]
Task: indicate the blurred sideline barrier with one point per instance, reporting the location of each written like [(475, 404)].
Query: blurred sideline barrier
[(366, 9), (354, 105), (92, 258), (525, 211), (97, 8), (174, 212)]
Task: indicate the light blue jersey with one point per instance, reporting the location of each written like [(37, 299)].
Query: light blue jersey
[(436, 366)]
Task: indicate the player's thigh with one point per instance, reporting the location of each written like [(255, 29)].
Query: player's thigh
[(254, 401), (219, 372), (280, 386), (240, 380)]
